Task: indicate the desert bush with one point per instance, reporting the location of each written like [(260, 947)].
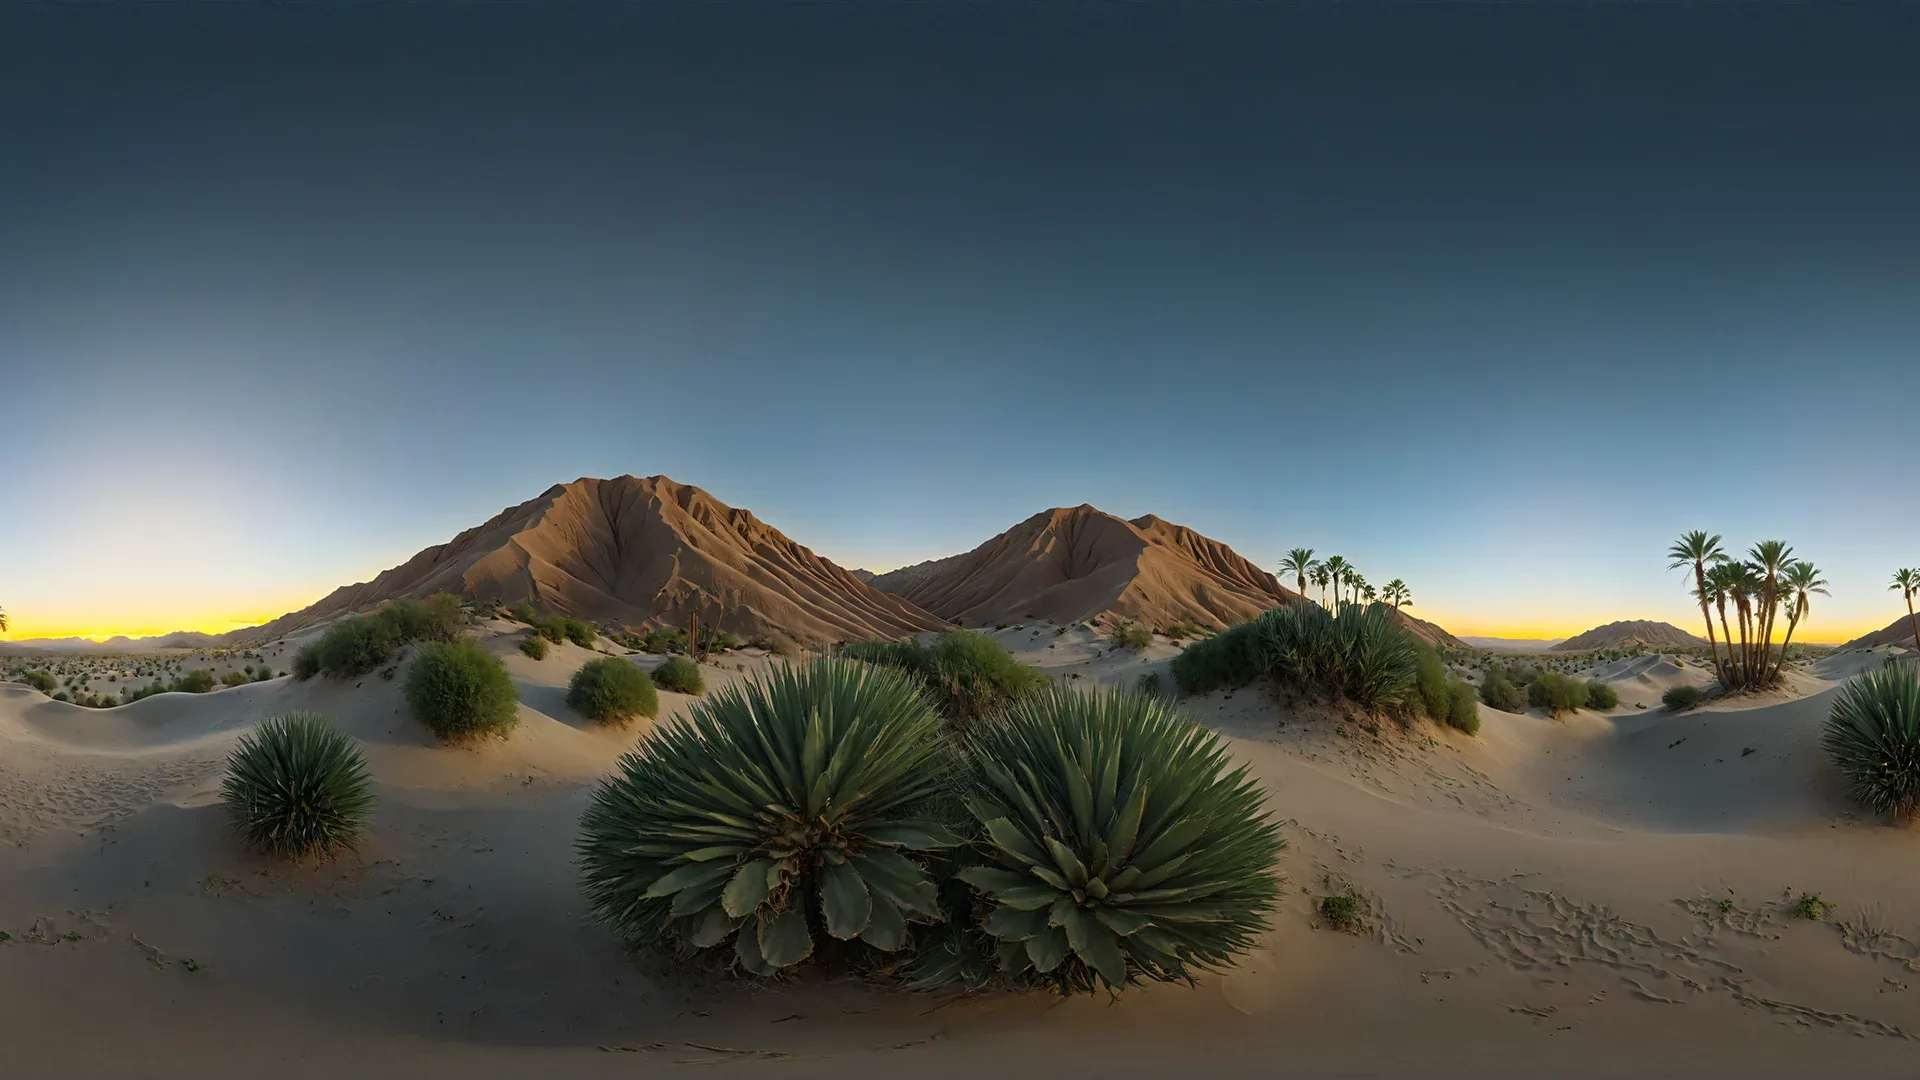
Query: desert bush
[(1360, 654), (1873, 735), (262, 675), (40, 681), (1557, 693), (664, 640), (1602, 695), (579, 633), (59, 695), (1463, 706), (535, 646), (236, 678), (522, 612), (306, 663), (1127, 634), (1182, 630), (1119, 846), (680, 675), (197, 681), (1150, 685), (1523, 674), (716, 640), (1344, 912), (147, 691), (785, 808), (437, 618), (1430, 678), (1497, 690), (1224, 661), (966, 674), (612, 690), (296, 786), (353, 647), (1681, 698), (459, 689)]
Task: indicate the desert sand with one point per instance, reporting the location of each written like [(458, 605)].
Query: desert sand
[(1590, 896)]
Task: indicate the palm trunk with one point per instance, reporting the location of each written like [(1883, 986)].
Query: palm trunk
[(1793, 620), (1745, 612), (1914, 621), (1726, 632), (1700, 580)]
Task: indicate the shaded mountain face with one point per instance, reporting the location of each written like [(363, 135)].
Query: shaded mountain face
[(1644, 631), (1077, 564), (1898, 632), (632, 551)]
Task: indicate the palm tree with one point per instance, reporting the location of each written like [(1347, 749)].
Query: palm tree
[(1803, 582), (1337, 569), (1721, 582), (1396, 593), (1372, 594), (1354, 581), (1321, 575), (1299, 562), (1907, 583), (1697, 549), (1771, 559)]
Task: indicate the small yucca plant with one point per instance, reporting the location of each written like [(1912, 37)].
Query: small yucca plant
[(1873, 734), (295, 786), (779, 809), (1119, 845)]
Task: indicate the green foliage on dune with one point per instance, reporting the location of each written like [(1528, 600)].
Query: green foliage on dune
[(461, 690), (1682, 698), (295, 786), (1498, 690), (680, 675), (1223, 661), (535, 646), (967, 675), (1873, 735), (612, 690), (1557, 693), (1602, 695)]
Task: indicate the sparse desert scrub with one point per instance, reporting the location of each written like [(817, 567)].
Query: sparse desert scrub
[(1345, 912), (197, 681), (680, 675), (306, 663), (352, 647), (664, 640), (1361, 654), (296, 786), (788, 810), (612, 690), (1601, 695), (1127, 634), (1498, 690), (437, 618), (966, 674), (40, 681), (1223, 661), (1873, 735), (236, 677), (1557, 693), (1119, 844), (1681, 698), (461, 690), (1463, 706), (535, 646)]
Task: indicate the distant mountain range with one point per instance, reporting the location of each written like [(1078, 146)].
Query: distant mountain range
[(1656, 635), (1898, 632), (181, 639), (1498, 644)]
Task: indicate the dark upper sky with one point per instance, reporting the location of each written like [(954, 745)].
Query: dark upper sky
[(1492, 297)]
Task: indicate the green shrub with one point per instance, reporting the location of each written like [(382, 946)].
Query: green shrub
[(306, 663), (1182, 630), (198, 681), (1497, 690), (1463, 706), (40, 681), (1119, 845), (1361, 654), (1810, 906), (579, 633), (1601, 695), (535, 646), (236, 678), (612, 690), (1127, 634), (665, 640), (966, 674), (262, 675), (714, 640), (1681, 698), (353, 647), (523, 612), (1557, 693), (680, 675), (1225, 661), (59, 695), (437, 618), (1150, 685), (1431, 679), (1344, 912), (459, 689), (296, 786), (1873, 735), (784, 808), (147, 691)]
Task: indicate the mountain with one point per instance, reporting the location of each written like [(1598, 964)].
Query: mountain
[(1657, 635), (179, 639), (1515, 645), (1898, 632), (628, 551)]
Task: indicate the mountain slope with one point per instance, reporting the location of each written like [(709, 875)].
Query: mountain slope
[(1899, 632), (630, 550), (1644, 631)]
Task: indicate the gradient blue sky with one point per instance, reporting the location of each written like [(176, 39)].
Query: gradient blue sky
[(1495, 298)]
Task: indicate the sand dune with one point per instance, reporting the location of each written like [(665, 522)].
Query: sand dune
[(631, 551), (1632, 631)]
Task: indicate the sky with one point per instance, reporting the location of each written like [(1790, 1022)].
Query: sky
[(1494, 298)]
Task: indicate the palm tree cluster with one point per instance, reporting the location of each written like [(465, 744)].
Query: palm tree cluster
[(1761, 587), (1906, 582), (1348, 584)]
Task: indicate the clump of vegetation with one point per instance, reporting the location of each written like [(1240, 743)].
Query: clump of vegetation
[(1497, 689), (197, 681), (1768, 583), (966, 674), (352, 647), (1150, 685), (1127, 634), (1682, 698), (1361, 654), (790, 809), (1119, 846), (612, 690), (437, 618), (1182, 630), (296, 786), (306, 663), (680, 675), (535, 646), (1601, 695), (1344, 912), (1223, 661), (236, 677), (1430, 678), (661, 641), (1557, 693), (1463, 706), (1873, 735), (461, 690), (40, 681), (522, 612), (1810, 906)]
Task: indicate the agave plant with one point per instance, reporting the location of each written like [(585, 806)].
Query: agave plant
[(1873, 734), (1118, 847), (779, 809), (296, 786), (1360, 653)]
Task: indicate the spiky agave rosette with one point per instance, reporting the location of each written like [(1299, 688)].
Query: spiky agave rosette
[(779, 808), (1119, 845), (297, 786), (1873, 734)]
